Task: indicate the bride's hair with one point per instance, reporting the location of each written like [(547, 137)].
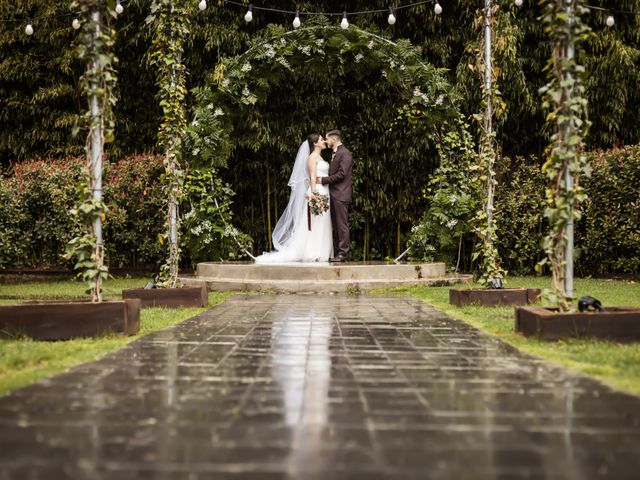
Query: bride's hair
[(312, 139)]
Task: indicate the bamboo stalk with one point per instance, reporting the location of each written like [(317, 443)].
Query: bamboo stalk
[(269, 229)]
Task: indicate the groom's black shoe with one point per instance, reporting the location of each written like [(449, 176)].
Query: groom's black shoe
[(338, 259)]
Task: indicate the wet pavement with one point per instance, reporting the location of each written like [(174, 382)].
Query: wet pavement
[(319, 387)]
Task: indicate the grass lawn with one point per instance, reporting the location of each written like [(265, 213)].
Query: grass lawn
[(25, 361), (616, 364)]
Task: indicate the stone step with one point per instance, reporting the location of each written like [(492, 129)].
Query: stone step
[(316, 286), (321, 271)]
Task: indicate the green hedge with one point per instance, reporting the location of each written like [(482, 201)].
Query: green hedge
[(36, 196), (607, 235)]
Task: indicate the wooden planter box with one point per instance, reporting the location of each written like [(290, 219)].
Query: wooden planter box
[(489, 297), (549, 323), (170, 297), (63, 320)]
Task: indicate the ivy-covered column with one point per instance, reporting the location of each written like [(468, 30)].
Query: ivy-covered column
[(170, 32), (492, 273), (564, 95), (95, 44)]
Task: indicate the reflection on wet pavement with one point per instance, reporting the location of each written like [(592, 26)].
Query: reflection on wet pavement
[(319, 387)]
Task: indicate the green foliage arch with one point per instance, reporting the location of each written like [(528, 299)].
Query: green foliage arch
[(393, 109)]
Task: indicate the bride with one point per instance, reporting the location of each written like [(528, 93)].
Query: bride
[(301, 236)]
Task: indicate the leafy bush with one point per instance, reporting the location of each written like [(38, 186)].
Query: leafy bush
[(440, 235), (210, 234), (607, 237), (136, 211), (519, 213), (37, 196), (608, 234), (37, 224)]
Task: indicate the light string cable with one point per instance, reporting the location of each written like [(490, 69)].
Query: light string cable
[(121, 3), (610, 21), (386, 10), (329, 14), (33, 19)]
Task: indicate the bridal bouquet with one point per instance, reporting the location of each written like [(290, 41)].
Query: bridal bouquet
[(318, 204)]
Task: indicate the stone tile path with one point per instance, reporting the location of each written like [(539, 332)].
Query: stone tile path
[(312, 387)]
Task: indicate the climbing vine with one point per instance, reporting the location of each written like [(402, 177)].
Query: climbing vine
[(245, 80), (171, 28), (453, 199), (325, 77), (564, 96), (94, 47), (485, 176)]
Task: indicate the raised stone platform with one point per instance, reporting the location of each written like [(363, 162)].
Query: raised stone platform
[(318, 277)]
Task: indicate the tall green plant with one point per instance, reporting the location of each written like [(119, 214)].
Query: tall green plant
[(95, 44), (484, 223), (564, 95), (170, 33)]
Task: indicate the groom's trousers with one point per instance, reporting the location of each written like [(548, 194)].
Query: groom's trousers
[(340, 220)]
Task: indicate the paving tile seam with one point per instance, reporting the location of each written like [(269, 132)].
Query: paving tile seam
[(269, 384)]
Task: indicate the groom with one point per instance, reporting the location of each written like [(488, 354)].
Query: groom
[(339, 181)]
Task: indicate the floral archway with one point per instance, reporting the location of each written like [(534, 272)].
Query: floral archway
[(411, 107)]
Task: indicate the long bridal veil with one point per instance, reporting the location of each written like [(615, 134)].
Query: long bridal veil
[(292, 216)]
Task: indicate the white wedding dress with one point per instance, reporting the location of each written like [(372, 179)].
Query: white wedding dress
[(304, 245)]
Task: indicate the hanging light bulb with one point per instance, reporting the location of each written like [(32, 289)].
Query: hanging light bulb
[(249, 15), (202, 5), (75, 24), (296, 21), (437, 9), (610, 21), (392, 17), (28, 29), (344, 24), (518, 3), (119, 8)]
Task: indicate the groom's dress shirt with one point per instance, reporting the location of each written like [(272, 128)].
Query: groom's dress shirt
[(339, 179)]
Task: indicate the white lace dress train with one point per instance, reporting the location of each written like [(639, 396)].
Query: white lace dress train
[(315, 245)]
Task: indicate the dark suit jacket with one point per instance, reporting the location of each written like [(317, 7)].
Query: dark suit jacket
[(339, 179)]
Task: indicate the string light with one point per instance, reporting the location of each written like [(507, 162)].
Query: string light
[(28, 29), (249, 15), (392, 17), (296, 21), (75, 24), (344, 24)]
